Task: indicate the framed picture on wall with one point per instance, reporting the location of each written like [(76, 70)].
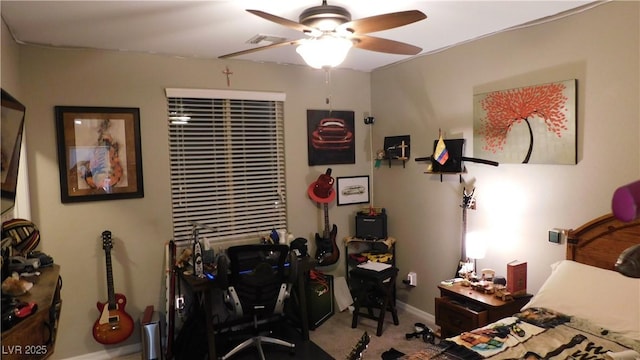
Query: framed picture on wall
[(99, 153), (352, 190), (534, 124), (331, 137)]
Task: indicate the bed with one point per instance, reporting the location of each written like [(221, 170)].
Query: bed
[(584, 310)]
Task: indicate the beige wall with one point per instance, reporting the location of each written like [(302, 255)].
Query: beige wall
[(516, 203), (71, 232), (10, 62)]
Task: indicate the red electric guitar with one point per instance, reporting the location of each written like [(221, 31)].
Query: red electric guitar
[(114, 325)]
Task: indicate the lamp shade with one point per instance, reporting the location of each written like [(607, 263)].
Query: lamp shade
[(625, 203), (476, 245), (324, 52)]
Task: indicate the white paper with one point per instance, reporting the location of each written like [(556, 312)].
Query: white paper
[(374, 265)]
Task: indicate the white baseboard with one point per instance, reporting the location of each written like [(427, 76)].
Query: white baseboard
[(108, 354), (429, 319)]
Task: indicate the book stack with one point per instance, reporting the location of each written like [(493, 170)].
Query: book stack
[(517, 277)]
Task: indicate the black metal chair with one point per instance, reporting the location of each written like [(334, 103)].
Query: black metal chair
[(259, 280)]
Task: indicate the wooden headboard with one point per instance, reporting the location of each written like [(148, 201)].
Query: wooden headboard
[(600, 241)]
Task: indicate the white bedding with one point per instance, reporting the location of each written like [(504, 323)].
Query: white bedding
[(592, 311), (603, 297)]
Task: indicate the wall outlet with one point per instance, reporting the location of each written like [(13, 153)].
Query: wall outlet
[(412, 278)]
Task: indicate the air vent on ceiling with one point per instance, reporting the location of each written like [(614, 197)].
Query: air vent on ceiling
[(261, 38)]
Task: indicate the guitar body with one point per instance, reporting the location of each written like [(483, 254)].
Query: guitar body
[(113, 325), (327, 252)]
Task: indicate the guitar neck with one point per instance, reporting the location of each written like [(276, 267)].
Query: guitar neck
[(326, 221), (463, 250), (112, 295), (107, 245)]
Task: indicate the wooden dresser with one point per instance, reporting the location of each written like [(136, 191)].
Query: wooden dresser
[(459, 309), (34, 337)]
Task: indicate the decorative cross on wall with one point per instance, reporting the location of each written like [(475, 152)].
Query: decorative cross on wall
[(227, 72)]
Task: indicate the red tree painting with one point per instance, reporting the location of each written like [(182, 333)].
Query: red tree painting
[(508, 108)]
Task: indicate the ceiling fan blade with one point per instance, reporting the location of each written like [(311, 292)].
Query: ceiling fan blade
[(282, 21), (383, 22), (384, 45), (270, 46)]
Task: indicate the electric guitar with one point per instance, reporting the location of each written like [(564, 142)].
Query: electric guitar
[(468, 202), (114, 325), (357, 353), (327, 252)]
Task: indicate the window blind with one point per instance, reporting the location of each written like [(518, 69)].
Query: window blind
[(226, 152)]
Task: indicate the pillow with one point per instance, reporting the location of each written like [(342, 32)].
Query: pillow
[(604, 297)]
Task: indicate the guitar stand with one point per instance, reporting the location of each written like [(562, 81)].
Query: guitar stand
[(421, 330)]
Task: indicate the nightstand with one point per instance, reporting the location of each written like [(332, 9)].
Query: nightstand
[(460, 308)]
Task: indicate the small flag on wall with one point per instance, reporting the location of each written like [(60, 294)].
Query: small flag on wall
[(441, 154)]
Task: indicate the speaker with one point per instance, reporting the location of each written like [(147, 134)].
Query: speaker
[(371, 227), (319, 293)]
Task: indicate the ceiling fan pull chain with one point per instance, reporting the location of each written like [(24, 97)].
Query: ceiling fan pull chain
[(327, 82)]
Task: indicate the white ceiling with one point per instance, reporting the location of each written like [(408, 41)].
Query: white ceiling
[(208, 29)]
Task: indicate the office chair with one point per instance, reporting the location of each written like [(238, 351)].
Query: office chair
[(258, 284)]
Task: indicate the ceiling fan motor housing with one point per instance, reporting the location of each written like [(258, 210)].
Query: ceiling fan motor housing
[(317, 15)]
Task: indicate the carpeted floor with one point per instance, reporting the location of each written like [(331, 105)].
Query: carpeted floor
[(335, 338)]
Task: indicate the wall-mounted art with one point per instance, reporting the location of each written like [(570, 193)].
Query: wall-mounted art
[(331, 137), (533, 124), (397, 147), (353, 190), (99, 153)]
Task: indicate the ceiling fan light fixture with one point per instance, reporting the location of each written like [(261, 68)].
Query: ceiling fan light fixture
[(324, 52)]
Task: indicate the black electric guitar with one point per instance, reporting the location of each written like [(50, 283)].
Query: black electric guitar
[(468, 202), (357, 353), (327, 252), (114, 325)]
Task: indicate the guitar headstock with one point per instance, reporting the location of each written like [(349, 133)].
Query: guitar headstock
[(468, 201), (357, 352), (107, 244)]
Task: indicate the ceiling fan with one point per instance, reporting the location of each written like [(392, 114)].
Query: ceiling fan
[(331, 33)]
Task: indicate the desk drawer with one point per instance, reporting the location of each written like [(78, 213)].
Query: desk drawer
[(454, 318)]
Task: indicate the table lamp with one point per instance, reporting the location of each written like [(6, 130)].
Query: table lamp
[(475, 247)]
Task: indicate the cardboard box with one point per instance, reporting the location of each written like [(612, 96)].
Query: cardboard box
[(517, 278)]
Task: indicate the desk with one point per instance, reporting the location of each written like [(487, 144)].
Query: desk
[(35, 336), (203, 287), (460, 309)]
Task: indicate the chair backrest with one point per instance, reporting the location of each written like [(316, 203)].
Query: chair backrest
[(257, 274)]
